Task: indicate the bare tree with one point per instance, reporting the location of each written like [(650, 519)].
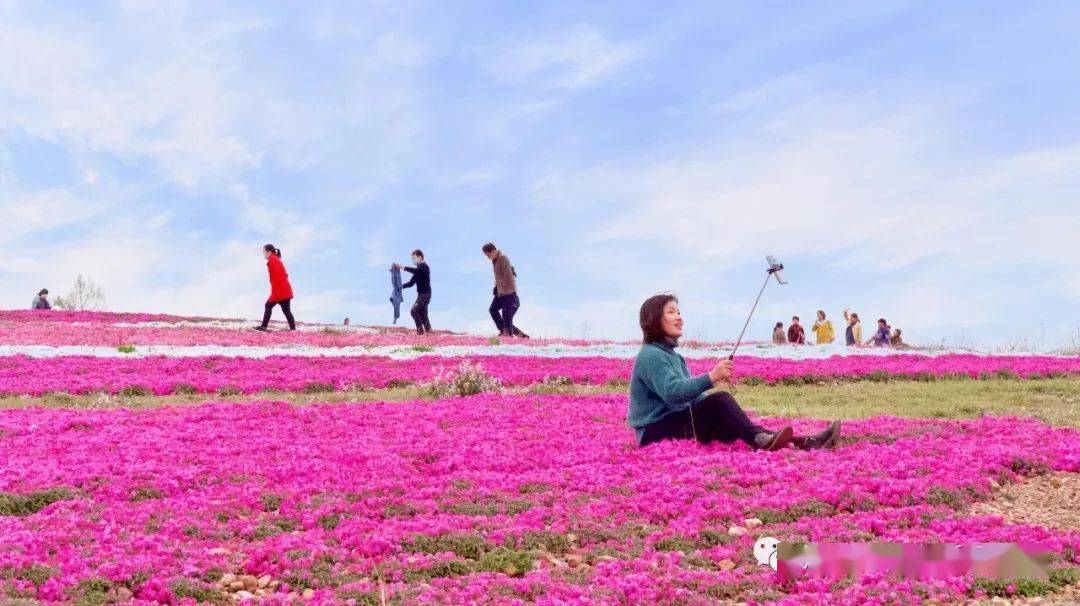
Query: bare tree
[(85, 295)]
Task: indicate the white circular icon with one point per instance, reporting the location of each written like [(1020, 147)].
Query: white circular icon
[(765, 551)]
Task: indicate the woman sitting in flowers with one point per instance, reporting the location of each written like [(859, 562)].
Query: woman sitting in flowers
[(667, 403)]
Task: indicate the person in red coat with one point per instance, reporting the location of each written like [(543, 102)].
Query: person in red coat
[(280, 290)]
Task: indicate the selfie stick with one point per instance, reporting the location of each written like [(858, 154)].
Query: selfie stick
[(775, 268)]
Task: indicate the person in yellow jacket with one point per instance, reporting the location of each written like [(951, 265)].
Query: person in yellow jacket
[(823, 329)]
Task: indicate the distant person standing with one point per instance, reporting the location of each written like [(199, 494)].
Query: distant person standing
[(41, 301), (880, 338), (823, 329), (281, 292), (505, 303), (778, 336), (795, 333), (853, 332), (421, 279)]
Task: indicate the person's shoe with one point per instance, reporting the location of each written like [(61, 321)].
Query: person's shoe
[(774, 440), (260, 328), (824, 439)]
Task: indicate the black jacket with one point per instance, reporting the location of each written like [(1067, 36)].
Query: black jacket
[(421, 278)]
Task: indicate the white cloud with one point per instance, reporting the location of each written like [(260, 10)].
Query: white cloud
[(580, 57), (39, 211)]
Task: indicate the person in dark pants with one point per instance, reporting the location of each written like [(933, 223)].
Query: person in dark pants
[(505, 303), (421, 278), (281, 292), (666, 403)]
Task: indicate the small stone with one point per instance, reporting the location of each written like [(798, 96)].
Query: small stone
[(726, 565), (250, 581), (264, 580), (736, 531), (752, 522), (236, 586), (308, 593), (275, 584), (124, 594), (1055, 482), (227, 579), (571, 537), (574, 560), (244, 595), (994, 484)]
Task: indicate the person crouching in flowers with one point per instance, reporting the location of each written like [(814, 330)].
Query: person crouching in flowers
[(667, 403)]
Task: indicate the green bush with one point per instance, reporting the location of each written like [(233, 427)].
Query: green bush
[(270, 501), (184, 389), (752, 380), (507, 561), (133, 391), (319, 387), (125, 348), (329, 521), (203, 594), (146, 493), (21, 505), (466, 545), (682, 544), (879, 376)]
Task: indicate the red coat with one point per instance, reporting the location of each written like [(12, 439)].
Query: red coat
[(280, 289)]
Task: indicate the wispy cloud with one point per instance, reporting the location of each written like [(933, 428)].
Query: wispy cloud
[(579, 57)]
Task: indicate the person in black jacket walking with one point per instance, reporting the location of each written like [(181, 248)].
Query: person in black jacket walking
[(421, 279)]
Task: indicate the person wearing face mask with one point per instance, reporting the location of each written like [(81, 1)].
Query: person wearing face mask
[(666, 403), (421, 279)]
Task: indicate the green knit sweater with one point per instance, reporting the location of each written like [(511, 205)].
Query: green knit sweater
[(660, 385)]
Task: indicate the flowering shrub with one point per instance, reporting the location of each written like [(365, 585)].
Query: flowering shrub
[(486, 499), (161, 375), (468, 379)]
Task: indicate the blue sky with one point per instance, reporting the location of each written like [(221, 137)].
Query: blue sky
[(913, 160)]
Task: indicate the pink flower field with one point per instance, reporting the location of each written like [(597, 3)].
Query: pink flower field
[(498, 498), (479, 500), (207, 374)]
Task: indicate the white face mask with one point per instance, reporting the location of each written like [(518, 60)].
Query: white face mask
[(417, 261)]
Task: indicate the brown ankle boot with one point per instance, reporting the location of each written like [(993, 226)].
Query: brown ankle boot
[(774, 441), (824, 439)]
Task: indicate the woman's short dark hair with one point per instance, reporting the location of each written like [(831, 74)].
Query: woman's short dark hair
[(418, 253), (778, 325), (651, 317), (43, 291), (270, 248), (489, 247)]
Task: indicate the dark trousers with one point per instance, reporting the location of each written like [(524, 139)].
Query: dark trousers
[(286, 308), (716, 418), (503, 308), (419, 313)]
